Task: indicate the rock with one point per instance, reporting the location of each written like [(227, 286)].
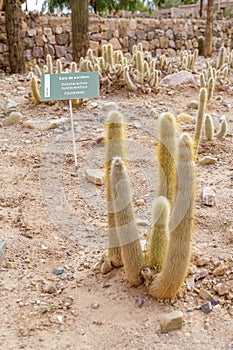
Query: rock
[(44, 125), (202, 261), (205, 294), (10, 106), (11, 265), (95, 176), (193, 104), (171, 321), (181, 78), (2, 251), (208, 196), (95, 305), (58, 271), (220, 269), (50, 288), (139, 301), (207, 160), (110, 106), (106, 266), (221, 289), (185, 118), (14, 118), (206, 307)]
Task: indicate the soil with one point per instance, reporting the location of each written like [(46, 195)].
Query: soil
[(51, 217)]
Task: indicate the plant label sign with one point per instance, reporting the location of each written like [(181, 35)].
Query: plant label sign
[(69, 86)]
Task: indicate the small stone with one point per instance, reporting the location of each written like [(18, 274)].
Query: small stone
[(207, 160), (14, 118), (220, 269), (202, 261), (193, 104), (11, 265), (106, 266), (171, 321), (205, 294), (2, 251), (95, 176), (139, 302), (58, 271), (221, 289), (110, 106), (206, 307), (95, 305), (208, 196), (50, 288)]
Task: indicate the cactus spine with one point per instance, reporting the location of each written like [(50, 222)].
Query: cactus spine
[(35, 90), (158, 237), (126, 227), (167, 284), (166, 149), (209, 128), (200, 118), (114, 147), (223, 130)]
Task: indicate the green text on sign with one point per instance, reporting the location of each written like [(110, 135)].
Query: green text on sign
[(68, 86)]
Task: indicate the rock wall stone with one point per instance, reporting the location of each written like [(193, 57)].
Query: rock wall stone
[(53, 34)]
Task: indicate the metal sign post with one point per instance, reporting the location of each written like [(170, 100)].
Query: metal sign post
[(68, 86)]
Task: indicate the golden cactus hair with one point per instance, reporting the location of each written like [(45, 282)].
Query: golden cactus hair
[(168, 283), (158, 236), (126, 227)]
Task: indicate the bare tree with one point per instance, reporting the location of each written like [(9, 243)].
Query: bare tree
[(80, 33), (13, 20), (209, 29)]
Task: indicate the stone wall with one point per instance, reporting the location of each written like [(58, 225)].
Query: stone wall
[(52, 34)]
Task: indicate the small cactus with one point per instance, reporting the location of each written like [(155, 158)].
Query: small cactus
[(222, 57), (223, 130), (49, 64), (209, 128), (126, 227), (158, 237), (34, 88), (127, 80), (210, 88)]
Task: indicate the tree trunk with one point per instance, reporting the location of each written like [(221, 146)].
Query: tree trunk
[(13, 17), (209, 28), (80, 33)]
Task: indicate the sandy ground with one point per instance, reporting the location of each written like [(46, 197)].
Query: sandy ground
[(51, 217)]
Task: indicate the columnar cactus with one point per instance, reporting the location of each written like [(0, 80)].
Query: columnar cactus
[(158, 237), (34, 88), (49, 63), (209, 128), (210, 88), (59, 66), (114, 147), (167, 284), (200, 118), (126, 227), (222, 57), (127, 80), (166, 152), (223, 130)]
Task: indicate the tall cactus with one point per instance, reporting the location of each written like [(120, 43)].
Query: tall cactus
[(167, 284), (200, 119), (126, 227), (158, 237), (166, 151), (114, 147)]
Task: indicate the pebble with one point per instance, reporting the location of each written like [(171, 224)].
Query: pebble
[(193, 104), (221, 289), (207, 160), (14, 118), (171, 321), (58, 271), (2, 251), (205, 294), (11, 265), (220, 269), (95, 176), (95, 305), (206, 307), (208, 196)]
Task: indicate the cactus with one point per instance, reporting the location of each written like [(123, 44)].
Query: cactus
[(35, 90), (49, 64), (166, 150), (209, 128), (223, 130), (158, 237), (201, 45), (38, 71), (114, 147), (200, 118), (126, 227), (127, 80), (140, 62), (222, 57), (167, 284), (59, 66), (210, 88), (202, 80), (110, 55)]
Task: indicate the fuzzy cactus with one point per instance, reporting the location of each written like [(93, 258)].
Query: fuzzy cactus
[(114, 147), (202, 80), (158, 237), (127, 80), (35, 91), (126, 227), (168, 283), (166, 152), (49, 64), (38, 71), (222, 57), (210, 88), (209, 128), (200, 119), (222, 130), (59, 66)]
